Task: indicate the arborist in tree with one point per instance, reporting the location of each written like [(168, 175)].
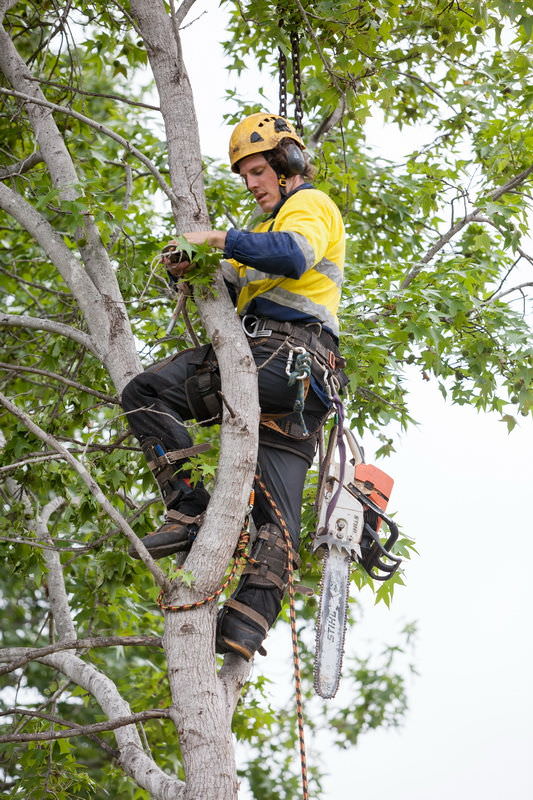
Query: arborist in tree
[(285, 277)]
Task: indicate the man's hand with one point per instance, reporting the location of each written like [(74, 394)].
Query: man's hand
[(175, 261)]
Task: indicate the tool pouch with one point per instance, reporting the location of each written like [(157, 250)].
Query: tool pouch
[(269, 566)]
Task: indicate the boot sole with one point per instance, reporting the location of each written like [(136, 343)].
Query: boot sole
[(234, 647), (161, 551)]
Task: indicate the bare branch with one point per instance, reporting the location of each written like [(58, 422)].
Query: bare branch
[(55, 376), (505, 292), (65, 296), (38, 324), (233, 674), (328, 123), (78, 730), (55, 581), (21, 166), (132, 759), (32, 460), (183, 10), (94, 488), (98, 126), (33, 654), (54, 246), (77, 90), (58, 721)]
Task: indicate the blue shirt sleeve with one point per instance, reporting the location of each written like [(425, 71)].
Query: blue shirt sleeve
[(273, 252)]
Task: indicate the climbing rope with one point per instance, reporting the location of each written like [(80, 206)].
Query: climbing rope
[(294, 635), (240, 557)]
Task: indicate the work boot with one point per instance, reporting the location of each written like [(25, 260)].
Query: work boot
[(240, 630), (175, 535), (185, 504), (245, 618)]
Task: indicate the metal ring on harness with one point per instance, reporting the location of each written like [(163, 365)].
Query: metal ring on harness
[(250, 325)]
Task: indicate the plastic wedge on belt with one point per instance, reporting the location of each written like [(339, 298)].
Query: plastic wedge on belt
[(331, 621)]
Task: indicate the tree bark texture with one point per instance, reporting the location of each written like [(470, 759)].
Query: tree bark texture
[(203, 702)]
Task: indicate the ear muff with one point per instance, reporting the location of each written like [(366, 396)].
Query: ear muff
[(295, 160)]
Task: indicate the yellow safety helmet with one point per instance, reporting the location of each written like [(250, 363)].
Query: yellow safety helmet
[(258, 133)]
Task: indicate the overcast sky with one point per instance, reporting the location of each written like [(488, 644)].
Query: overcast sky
[(463, 492)]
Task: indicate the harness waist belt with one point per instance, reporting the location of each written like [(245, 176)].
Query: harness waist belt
[(320, 344)]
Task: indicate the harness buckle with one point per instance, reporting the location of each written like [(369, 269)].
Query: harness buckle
[(250, 325)]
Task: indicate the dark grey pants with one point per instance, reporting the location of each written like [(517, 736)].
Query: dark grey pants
[(156, 404)]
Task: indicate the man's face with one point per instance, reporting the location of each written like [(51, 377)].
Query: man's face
[(260, 180)]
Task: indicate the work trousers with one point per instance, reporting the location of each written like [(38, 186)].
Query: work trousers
[(156, 404)]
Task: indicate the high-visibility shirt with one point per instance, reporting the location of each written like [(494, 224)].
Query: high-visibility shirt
[(290, 267)]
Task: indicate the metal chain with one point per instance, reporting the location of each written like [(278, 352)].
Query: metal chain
[(297, 81), (294, 38), (282, 68)]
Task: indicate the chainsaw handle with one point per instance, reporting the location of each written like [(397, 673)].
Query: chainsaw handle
[(356, 449)]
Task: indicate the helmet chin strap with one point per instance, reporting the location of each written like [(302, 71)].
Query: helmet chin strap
[(282, 181)]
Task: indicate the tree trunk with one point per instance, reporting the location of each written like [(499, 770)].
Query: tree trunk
[(203, 703)]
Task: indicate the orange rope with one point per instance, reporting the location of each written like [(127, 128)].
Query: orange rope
[(240, 555)]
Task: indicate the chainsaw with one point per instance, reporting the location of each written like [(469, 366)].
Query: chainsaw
[(351, 503)]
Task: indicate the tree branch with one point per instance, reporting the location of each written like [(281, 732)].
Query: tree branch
[(74, 729), (233, 674), (98, 126), (498, 296), (94, 488), (36, 653), (56, 377), (183, 10), (105, 314), (55, 581), (328, 123), (85, 93), (58, 721), (38, 324), (132, 759), (52, 243), (14, 170)]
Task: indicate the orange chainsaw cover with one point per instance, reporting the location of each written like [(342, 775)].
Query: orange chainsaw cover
[(375, 483)]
